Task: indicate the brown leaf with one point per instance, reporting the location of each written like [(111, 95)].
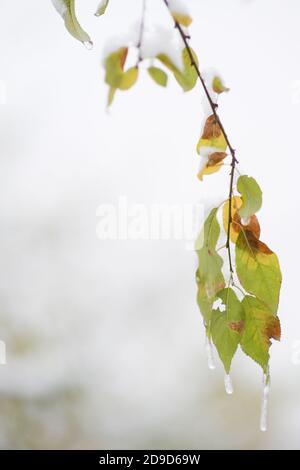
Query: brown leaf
[(215, 158), (211, 128), (256, 244), (273, 329)]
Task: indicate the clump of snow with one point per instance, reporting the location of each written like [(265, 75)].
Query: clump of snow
[(245, 220), (218, 304), (177, 6), (160, 40), (208, 76), (60, 6), (206, 151), (128, 39), (155, 41), (203, 163)]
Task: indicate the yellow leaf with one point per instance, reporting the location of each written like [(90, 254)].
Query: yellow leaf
[(237, 225), (209, 170), (218, 86), (129, 78), (183, 19), (111, 95), (114, 65), (212, 136)]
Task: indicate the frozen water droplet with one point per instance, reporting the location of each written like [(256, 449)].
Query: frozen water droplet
[(264, 402), (209, 351), (228, 384), (88, 45)]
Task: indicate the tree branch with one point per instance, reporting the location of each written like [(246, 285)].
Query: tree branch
[(214, 107), (141, 33)]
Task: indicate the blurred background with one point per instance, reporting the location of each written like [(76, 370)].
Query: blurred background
[(105, 343)]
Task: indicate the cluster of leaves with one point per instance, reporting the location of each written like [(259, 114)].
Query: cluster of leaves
[(241, 311), (242, 314), (117, 78)]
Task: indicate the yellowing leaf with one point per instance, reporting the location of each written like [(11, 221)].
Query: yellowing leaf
[(212, 136), (226, 326), (215, 158), (258, 269), (209, 274), (251, 196), (213, 164), (129, 78), (158, 75), (218, 86), (180, 12), (102, 7), (209, 170), (237, 225), (66, 8), (187, 78), (260, 326), (164, 59), (114, 65), (184, 20), (111, 95)]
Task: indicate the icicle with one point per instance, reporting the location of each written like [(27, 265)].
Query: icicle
[(264, 403), (228, 384), (209, 351)]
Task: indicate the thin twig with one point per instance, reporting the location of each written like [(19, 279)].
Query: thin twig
[(214, 106), (141, 34)]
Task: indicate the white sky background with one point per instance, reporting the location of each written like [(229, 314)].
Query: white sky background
[(119, 319)]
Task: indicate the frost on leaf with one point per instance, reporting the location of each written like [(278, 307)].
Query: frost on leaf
[(258, 269), (260, 326), (226, 326), (66, 8)]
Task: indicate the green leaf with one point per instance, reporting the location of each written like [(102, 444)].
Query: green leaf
[(167, 62), (114, 64), (258, 269), (187, 78), (251, 196), (260, 326), (129, 78), (226, 326), (111, 95), (158, 75), (102, 7), (66, 8), (210, 232), (209, 275), (218, 85)]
